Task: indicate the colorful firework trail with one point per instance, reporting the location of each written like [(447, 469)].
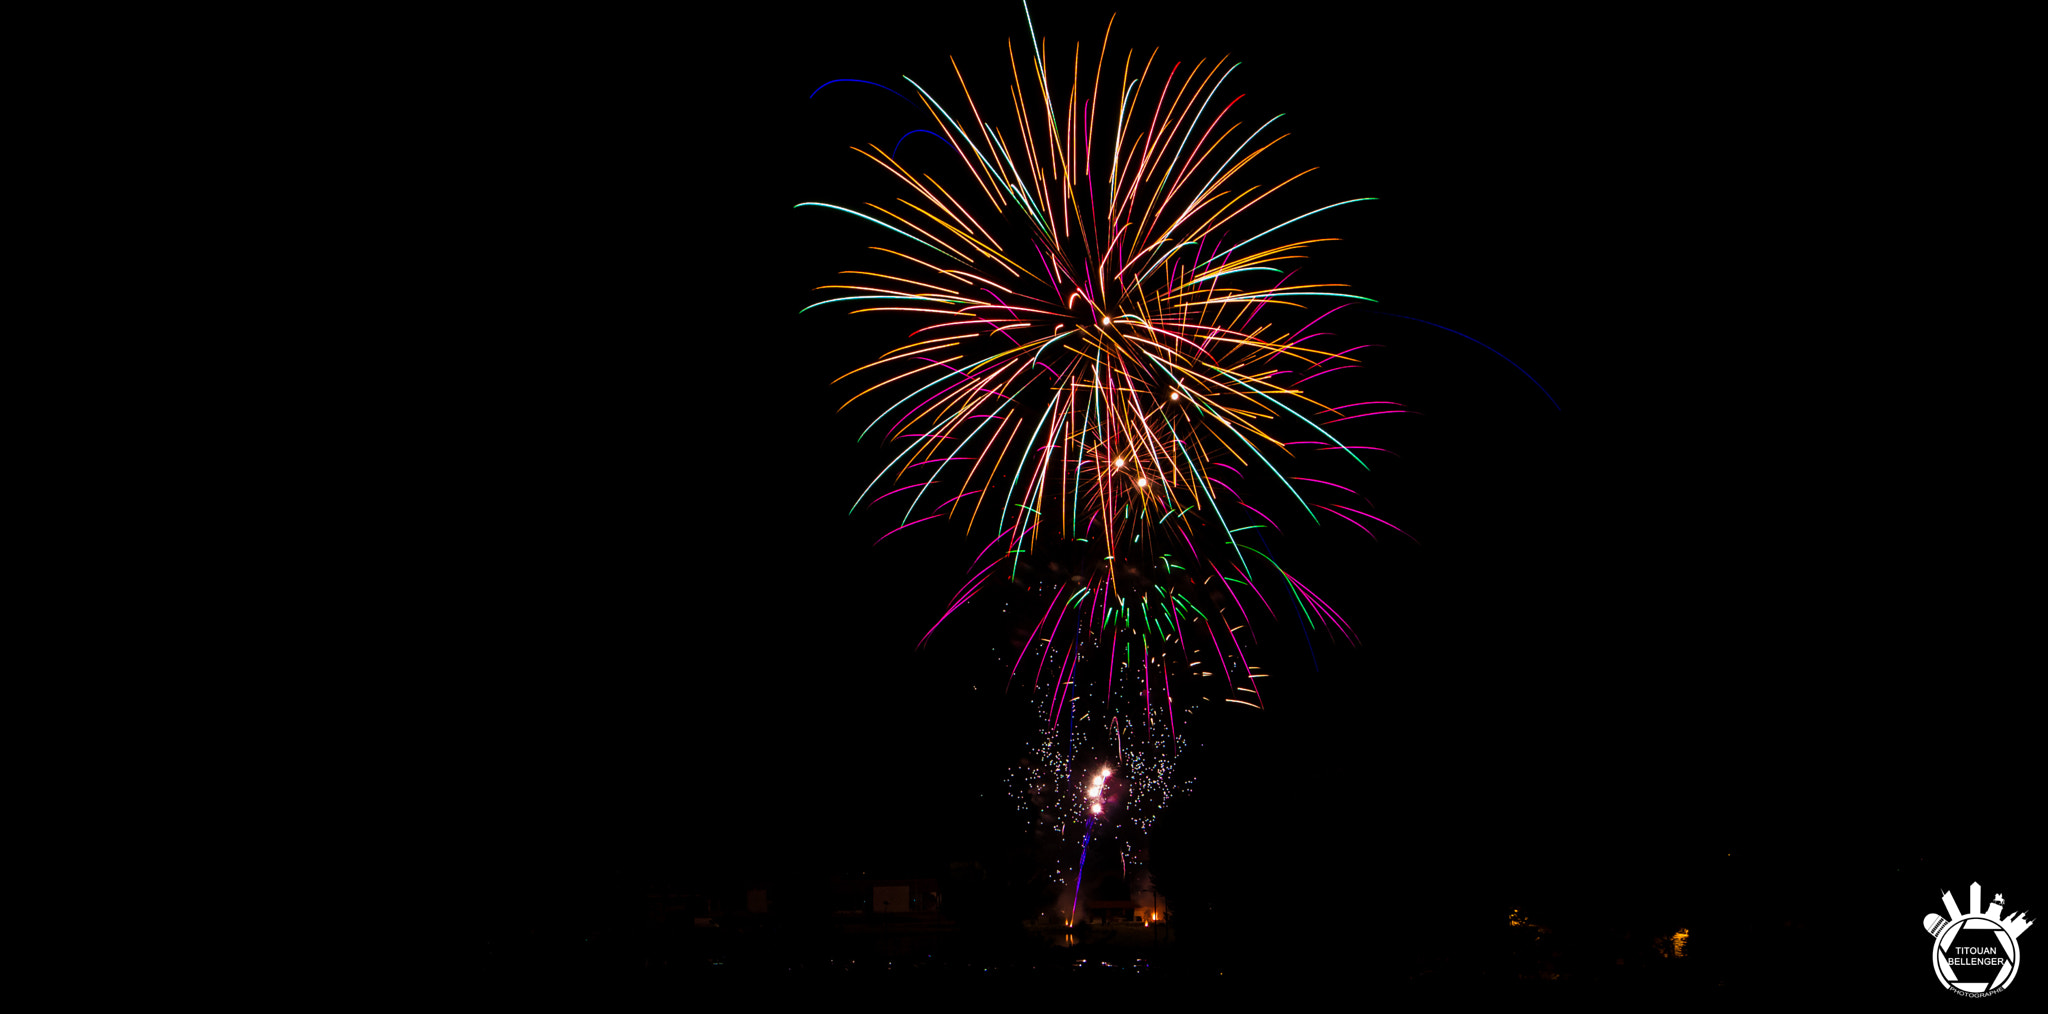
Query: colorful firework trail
[(1110, 358)]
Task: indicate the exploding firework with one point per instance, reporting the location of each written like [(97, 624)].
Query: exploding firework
[(1107, 386), (1109, 372), (1113, 382), (1056, 783)]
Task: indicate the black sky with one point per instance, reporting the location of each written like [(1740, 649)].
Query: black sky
[(659, 642)]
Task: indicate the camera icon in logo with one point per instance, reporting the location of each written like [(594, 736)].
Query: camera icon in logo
[(1976, 953)]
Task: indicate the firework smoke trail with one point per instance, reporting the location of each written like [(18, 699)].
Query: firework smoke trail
[(1101, 373)]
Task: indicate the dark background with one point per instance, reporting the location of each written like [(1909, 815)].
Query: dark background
[(1637, 645)]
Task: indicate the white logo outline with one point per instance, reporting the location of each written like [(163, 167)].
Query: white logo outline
[(2006, 928)]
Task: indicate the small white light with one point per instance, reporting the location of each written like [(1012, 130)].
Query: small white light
[(1141, 480)]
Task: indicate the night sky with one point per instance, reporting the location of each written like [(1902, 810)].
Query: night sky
[(1627, 640)]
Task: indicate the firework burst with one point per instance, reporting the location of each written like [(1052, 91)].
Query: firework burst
[(1111, 357)]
